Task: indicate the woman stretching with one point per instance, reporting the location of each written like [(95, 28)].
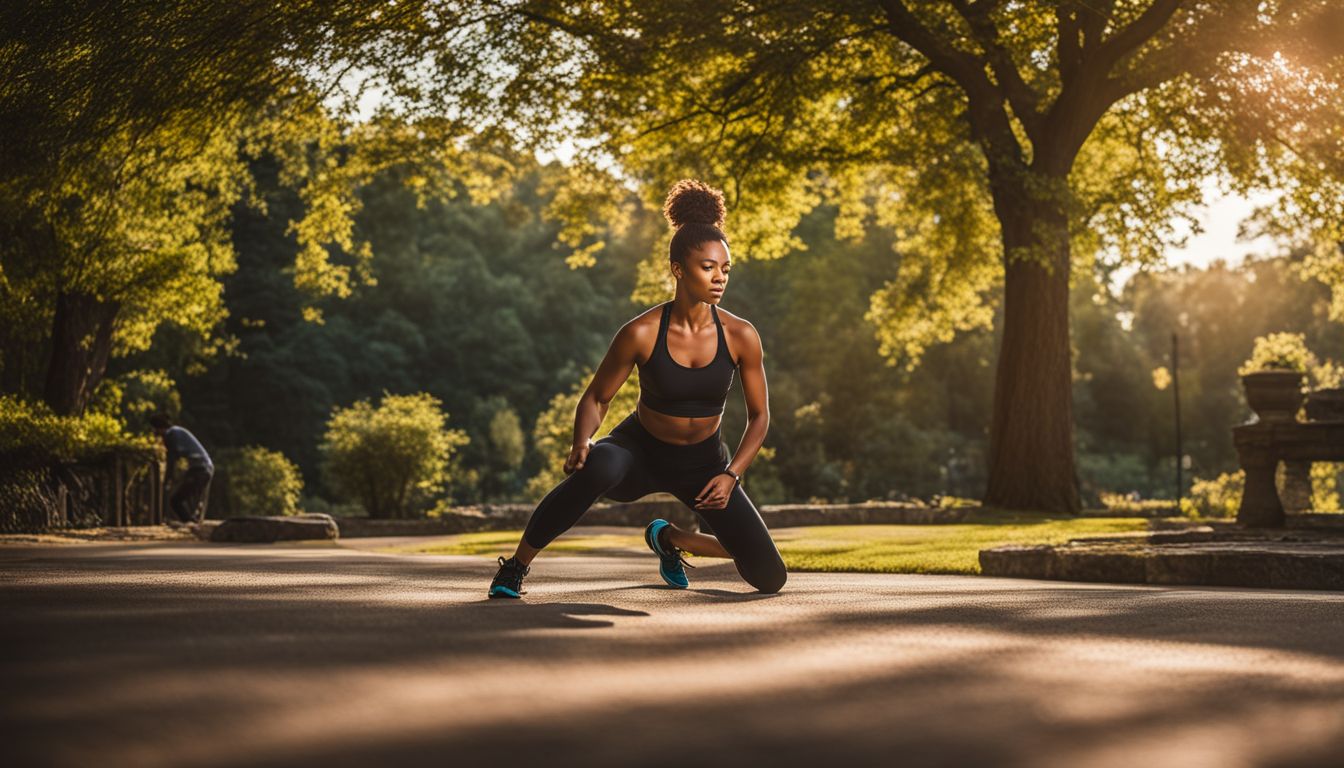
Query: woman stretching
[(686, 350)]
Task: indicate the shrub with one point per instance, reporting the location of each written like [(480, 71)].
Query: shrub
[(1326, 480), (1219, 497), (1121, 503), (31, 435), (259, 481), (392, 458), (34, 443)]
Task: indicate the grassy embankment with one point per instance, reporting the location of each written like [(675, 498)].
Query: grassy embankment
[(850, 548)]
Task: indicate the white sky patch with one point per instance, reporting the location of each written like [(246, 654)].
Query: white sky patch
[(1220, 221)]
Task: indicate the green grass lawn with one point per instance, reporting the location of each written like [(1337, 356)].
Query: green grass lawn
[(850, 548)]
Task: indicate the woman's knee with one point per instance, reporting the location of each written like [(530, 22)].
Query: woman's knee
[(770, 580), (765, 574), (606, 464)]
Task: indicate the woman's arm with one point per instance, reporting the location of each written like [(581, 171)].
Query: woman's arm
[(611, 374), (751, 365)]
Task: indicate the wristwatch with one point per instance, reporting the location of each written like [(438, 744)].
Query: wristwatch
[(737, 479)]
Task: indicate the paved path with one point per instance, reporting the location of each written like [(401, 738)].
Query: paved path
[(198, 655)]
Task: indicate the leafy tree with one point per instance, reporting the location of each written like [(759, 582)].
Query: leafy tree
[(471, 304), (1004, 141), (127, 130), (392, 457)]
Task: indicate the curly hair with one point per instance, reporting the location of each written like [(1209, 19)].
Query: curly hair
[(696, 211)]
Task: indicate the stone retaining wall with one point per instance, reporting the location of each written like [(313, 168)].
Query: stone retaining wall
[(1205, 556)]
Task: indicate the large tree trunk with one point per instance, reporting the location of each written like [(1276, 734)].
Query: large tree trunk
[(1031, 462), (81, 341)]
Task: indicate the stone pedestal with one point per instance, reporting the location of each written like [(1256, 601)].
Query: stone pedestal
[(1296, 490), (1260, 448)]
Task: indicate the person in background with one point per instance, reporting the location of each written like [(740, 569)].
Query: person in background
[(188, 500)]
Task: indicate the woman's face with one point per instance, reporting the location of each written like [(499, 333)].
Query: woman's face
[(706, 275)]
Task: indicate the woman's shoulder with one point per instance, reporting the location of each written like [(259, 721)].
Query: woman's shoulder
[(641, 330), (735, 324)]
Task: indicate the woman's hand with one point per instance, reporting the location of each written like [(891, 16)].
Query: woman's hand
[(577, 456), (716, 492)]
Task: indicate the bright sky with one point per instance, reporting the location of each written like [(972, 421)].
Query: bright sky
[(1219, 238), (1219, 220)]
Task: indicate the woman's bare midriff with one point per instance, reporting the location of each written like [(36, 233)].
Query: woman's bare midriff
[(678, 430)]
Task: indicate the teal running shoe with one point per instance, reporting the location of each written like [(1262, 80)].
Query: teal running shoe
[(509, 579), (670, 561)]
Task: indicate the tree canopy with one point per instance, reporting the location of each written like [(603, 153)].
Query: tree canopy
[(1005, 142)]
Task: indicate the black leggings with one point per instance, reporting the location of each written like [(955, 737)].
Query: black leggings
[(630, 463)]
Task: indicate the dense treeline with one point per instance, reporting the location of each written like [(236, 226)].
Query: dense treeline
[(476, 306)]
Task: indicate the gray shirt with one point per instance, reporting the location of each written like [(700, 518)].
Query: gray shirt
[(183, 444)]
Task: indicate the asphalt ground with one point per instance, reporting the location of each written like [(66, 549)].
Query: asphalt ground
[(187, 654)]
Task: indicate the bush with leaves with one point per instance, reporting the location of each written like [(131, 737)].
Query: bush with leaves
[(258, 481), (393, 457), (1219, 497)]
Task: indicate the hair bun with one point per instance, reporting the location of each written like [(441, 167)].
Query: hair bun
[(693, 202)]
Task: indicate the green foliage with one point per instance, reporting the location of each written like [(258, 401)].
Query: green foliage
[(1114, 471), (133, 130), (1217, 313), (258, 481), (1218, 497), (1327, 483), (393, 457), (136, 395), (31, 435), (1117, 503), (1279, 351), (956, 502), (903, 114), (471, 304)]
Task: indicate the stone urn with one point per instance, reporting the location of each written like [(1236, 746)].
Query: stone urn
[(1274, 394), (1325, 405)]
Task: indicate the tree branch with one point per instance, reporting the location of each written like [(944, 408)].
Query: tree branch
[(1068, 47), (1024, 101), (1194, 53), (985, 103), (1139, 31), (967, 70)]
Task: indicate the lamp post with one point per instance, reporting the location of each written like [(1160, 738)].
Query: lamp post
[(1176, 395)]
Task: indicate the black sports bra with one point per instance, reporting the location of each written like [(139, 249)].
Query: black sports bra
[(669, 387)]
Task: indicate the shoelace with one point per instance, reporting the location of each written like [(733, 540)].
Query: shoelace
[(512, 573), (677, 553)]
